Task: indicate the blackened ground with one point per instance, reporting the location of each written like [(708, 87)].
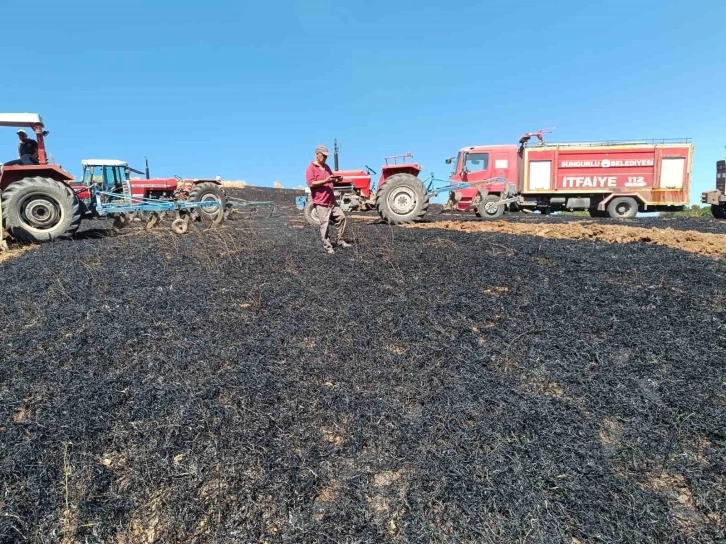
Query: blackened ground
[(242, 386)]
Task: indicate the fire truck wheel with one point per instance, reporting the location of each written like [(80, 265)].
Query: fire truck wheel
[(401, 199), (623, 208), (208, 191), (40, 209), (489, 208), (719, 212), (311, 216)]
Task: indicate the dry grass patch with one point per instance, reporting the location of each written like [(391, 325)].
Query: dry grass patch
[(687, 240), (15, 252), (234, 184), (611, 432)]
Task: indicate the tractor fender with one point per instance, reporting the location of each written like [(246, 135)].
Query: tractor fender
[(186, 184), (387, 171), (11, 174), (198, 181)]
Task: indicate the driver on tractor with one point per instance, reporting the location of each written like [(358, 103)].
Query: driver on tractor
[(27, 151)]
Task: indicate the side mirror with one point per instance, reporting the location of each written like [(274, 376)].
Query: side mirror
[(448, 161)]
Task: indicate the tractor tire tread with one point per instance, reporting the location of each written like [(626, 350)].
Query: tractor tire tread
[(416, 184), (312, 221), (195, 195), (73, 210)]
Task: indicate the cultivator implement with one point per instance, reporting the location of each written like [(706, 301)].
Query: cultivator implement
[(124, 208), (239, 204), (487, 202), (127, 208)]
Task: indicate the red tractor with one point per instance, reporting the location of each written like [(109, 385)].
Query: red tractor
[(400, 197), (112, 173), (38, 203), (42, 201)]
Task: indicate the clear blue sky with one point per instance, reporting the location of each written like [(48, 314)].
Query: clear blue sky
[(246, 90)]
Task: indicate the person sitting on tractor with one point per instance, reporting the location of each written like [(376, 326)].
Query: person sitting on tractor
[(320, 179), (27, 151)]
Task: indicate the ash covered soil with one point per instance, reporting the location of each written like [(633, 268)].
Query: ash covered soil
[(239, 385)]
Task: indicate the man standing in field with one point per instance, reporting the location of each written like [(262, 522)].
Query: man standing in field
[(320, 178)]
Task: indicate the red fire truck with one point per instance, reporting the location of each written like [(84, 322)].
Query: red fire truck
[(609, 179)]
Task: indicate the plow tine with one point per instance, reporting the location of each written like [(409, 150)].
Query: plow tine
[(253, 207)]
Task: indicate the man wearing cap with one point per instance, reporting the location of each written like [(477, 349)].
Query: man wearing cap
[(320, 178), (27, 151)]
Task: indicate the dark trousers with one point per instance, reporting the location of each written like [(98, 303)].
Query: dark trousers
[(25, 160)]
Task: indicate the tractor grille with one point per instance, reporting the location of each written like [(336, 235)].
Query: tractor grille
[(721, 176), (127, 191), (344, 188)]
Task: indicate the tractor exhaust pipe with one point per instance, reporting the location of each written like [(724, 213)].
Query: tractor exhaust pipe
[(336, 149), (146, 160)]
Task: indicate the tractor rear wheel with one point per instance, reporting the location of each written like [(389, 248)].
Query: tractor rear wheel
[(40, 209), (208, 191), (719, 212), (311, 215), (402, 198)]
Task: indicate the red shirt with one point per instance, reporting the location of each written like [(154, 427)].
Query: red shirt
[(322, 194)]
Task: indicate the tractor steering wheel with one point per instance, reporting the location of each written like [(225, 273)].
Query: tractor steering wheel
[(370, 170)]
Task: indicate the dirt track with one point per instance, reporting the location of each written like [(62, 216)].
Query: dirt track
[(686, 240), (427, 385)]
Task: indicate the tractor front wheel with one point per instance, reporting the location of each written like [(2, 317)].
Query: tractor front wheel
[(311, 214), (402, 198), (40, 209), (208, 191)]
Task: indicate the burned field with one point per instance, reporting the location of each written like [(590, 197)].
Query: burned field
[(425, 385)]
